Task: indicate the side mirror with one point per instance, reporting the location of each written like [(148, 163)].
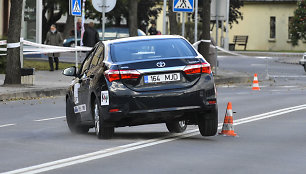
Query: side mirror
[(71, 71)]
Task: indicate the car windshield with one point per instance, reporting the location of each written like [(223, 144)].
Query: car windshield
[(149, 49)]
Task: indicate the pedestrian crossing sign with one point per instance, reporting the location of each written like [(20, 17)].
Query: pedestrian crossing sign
[(183, 5), (75, 7)]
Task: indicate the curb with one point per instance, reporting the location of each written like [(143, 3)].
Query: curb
[(33, 94), (225, 80)]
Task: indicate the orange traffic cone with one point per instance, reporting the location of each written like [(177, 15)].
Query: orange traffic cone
[(228, 127), (255, 83)]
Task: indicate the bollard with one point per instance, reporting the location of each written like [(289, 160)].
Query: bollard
[(27, 76)]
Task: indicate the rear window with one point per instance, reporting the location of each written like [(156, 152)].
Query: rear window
[(151, 49)]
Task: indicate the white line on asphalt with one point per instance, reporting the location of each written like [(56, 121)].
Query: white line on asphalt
[(6, 125), (262, 57), (286, 76), (54, 118), (141, 144)]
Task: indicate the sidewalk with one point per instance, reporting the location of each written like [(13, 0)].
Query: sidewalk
[(283, 57), (48, 83)]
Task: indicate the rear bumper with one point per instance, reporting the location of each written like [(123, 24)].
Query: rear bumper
[(158, 106)]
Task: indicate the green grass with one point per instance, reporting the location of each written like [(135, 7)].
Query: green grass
[(44, 65)]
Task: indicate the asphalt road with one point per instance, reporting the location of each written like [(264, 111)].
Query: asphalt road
[(280, 73), (34, 132), (270, 123)]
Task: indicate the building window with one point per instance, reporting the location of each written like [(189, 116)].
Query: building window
[(189, 17), (178, 17), (272, 27), (289, 26)]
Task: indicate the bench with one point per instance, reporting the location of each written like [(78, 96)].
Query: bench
[(239, 40)]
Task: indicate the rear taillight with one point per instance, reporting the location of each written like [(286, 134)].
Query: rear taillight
[(198, 68), (129, 74), (113, 75)]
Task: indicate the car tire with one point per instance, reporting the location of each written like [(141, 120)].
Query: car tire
[(71, 118), (208, 124), (72, 44), (305, 67), (101, 130), (176, 126)]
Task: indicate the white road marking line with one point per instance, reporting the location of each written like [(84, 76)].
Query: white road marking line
[(54, 118), (287, 76), (262, 57), (142, 144), (6, 125)]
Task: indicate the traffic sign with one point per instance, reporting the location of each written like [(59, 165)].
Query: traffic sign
[(75, 7), (183, 5), (98, 5)]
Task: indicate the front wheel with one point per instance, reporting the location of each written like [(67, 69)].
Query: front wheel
[(101, 130), (305, 67), (176, 126), (73, 124), (208, 123)]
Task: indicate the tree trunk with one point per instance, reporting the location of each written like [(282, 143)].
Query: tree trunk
[(133, 17), (69, 26), (174, 27), (204, 46), (13, 66)]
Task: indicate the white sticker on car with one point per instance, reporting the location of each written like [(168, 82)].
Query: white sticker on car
[(104, 98), (79, 108), (76, 93)]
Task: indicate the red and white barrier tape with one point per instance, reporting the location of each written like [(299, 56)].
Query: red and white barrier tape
[(40, 48)]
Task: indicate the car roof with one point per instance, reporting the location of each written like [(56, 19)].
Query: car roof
[(139, 38)]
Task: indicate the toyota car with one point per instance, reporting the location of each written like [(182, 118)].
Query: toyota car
[(142, 80)]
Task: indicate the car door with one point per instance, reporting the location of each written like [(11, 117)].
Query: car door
[(87, 74), (82, 87)]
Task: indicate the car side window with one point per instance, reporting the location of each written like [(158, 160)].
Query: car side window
[(96, 57), (87, 61)]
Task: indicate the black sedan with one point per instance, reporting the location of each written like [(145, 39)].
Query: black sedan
[(142, 80)]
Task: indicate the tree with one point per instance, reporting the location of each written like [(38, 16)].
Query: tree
[(234, 13), (298, 23), (204, 46), (50, 16), (13, 66), (133, 5), (174, 27), (146, 10)]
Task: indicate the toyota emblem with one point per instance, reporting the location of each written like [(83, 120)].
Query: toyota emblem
[(161, 64)]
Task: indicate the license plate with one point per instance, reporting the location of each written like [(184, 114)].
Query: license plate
[(162, 78)]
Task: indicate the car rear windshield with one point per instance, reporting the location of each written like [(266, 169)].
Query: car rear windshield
[(151, 49)]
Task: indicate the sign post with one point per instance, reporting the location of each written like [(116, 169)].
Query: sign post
[(183, 6), (75, 9), (196, 22), (103, 6)]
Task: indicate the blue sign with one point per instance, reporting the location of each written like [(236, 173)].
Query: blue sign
[(76, 7), (183, 5)]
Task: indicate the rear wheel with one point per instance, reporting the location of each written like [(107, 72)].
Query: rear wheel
[(102, 131), (208, 124), (72, 44), (176, 126), (73, 124), (305, 67)]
